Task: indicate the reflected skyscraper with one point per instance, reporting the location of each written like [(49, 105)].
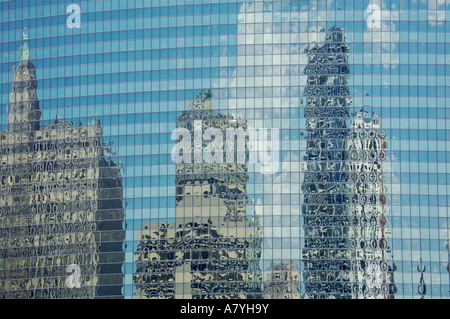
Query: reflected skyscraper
[(368, 208), (345, 204), (282, 282), (61, 208), (351, 206), (212, 249)]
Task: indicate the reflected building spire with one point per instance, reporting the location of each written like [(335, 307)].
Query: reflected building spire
[(24, 114)]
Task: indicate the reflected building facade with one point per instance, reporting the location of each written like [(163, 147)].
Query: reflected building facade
[(345, 204), (212, 249), (282, 282), (346, 199), (60, 203), (369, 210)]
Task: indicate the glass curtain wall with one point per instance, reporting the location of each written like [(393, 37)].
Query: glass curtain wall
[(224, 149)]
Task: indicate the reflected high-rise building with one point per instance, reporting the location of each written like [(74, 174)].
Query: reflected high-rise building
[(282, 282), (211, 249), (368, 208), (345, 204), (61, 211), (327, 267)]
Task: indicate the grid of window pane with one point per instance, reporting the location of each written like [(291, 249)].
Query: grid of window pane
[(120, 176)]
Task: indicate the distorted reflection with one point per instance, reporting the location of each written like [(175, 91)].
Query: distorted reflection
[(282, 282), (60, 203), (346, 248), (212, 249)]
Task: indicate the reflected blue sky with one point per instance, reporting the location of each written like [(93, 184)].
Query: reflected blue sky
[(134, 64)]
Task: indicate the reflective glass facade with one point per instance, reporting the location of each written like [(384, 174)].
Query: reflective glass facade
[(221, 149)]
